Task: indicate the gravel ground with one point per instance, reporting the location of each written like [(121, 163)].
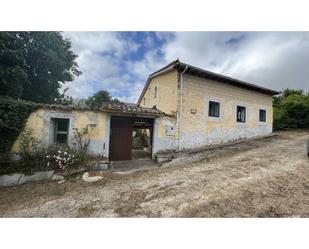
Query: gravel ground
[(259, 178)]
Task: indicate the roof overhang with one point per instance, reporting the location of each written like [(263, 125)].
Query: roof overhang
[(224, 79)]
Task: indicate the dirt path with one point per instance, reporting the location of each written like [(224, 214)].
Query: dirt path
[(262, 178)]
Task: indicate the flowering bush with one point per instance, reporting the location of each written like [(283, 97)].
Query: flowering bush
[(62, 158)]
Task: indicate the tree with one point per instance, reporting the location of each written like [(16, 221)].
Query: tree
[(34, 65), (291, 110), (13, 76), (99, 98)]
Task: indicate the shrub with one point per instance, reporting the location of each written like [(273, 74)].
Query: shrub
[(81, 137)]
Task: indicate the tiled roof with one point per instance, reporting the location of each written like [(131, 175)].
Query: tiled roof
[(107, 107), (130, 108), (189, 69)]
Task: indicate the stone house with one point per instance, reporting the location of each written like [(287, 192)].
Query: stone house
[(209, 108), (180, 107)]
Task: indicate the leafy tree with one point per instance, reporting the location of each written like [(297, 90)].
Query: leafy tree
[(13, 76), (291, 110), (99, 98), (34, 65)]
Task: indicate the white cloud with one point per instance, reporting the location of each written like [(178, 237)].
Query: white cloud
[(99, 58), (150, 63), (272, 59)]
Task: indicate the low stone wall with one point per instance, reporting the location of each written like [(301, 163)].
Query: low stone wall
[(16, 179)]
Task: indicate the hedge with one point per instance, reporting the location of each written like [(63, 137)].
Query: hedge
[(13, 117)]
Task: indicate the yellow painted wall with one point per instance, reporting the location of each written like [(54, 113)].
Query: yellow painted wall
[(167, 93), (40, 123), (87, 117), (198, 91), (36, 123)]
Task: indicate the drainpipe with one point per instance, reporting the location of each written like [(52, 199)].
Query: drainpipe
[(181, 107)]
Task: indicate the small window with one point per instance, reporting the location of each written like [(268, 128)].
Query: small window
[(214, 109), (262, 115), (241, 114), (61, 130), (144, 101), (155, 92)]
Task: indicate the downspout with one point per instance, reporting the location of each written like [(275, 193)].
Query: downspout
[(181, 107)]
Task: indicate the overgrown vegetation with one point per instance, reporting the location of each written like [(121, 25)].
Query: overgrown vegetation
[(35, 157), (13, 117), (291, 110)]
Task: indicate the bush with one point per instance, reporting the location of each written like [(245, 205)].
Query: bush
[(62, 157)]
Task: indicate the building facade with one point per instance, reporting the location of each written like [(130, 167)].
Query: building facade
[(181, 107), (208, 108)]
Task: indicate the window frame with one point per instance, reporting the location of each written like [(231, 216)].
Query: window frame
[(216, 103), (265, 115), (245, 114), (57, 132)]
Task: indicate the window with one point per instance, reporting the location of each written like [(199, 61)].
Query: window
[(155, 92), (214, 109), (61, 130), (262, 115), (241, 114), (144, 101)]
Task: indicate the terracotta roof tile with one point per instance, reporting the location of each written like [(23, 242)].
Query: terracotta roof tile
[(107, 107)]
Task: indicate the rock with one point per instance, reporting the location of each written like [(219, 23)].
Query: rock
[(163, 158), (57, 177), (10, 180), (62, 181), (88, 178)]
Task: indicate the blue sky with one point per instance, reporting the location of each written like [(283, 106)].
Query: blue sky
[(120, 62)]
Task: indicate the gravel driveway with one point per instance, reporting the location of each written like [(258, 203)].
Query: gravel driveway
[(259, 178)]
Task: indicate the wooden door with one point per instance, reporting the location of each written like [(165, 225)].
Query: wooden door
[(121, 139)]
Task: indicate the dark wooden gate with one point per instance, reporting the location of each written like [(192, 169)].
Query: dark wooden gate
[(121, 139)]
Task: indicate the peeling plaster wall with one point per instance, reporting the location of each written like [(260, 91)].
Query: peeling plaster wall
[(162, 141), (199, 129), (41, 124)]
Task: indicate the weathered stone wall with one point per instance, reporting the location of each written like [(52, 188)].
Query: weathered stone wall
[(41, 124), (199, 129)]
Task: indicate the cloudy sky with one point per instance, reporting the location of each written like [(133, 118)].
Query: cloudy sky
[(120, 62)]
